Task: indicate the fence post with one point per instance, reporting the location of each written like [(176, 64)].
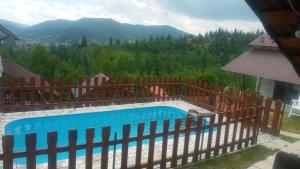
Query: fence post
[(188, 125), (175, 143), (266, 114), (90, 133), (7, 146), (105, 147), (164, 144), (218, 136), (139, 143), (52, 141), (32, 92), (72, 148), (197, 139), (124, 157), (151, 144), (276, 117), (210, 134), (30, 150), (258, 111)]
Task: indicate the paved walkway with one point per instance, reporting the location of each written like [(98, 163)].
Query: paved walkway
[(279, 145), (290, 134)]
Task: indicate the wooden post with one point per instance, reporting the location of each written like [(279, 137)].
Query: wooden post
[(30, 150), (105, 147), (7, 146), (266, 114), (124, 157), (197, 140), (42, 99), (139, 143), (210, 134), (218, 136), (32, 92), (258, 111), (175, 143), (90, 133), (151, 145), (164, 144), (60, 92), (72, 148), (186, 140), (52, 143), (51, 94), (276, 117)]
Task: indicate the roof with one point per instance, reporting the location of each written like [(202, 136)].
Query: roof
[(270, 64), (280, 22), (264, 41), (18, 71)]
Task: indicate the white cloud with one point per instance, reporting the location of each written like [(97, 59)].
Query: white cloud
[(149, 12)]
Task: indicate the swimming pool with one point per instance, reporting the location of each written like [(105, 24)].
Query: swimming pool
[(63, 123)]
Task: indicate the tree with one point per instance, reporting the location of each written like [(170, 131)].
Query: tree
[(83, 42), (110, 41)]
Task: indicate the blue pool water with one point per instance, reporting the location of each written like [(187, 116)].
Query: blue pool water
[(63, 123)]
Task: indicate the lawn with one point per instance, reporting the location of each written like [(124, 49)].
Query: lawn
[(291, 124), (239, 160)]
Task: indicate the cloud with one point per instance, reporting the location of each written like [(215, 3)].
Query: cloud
[(181, 14)]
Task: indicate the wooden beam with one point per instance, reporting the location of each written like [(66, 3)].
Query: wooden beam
[(290, 42), (283, 18)]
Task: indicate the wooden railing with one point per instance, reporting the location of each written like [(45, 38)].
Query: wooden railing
[(187, 143), (234, 123)]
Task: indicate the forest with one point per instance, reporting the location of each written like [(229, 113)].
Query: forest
[(198, 57)]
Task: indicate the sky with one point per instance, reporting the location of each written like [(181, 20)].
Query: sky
[(192, 16)]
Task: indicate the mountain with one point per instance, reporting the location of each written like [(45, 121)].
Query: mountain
[(14, 27), (95, 29)]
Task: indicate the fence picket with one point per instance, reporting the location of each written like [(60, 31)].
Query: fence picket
[(72, 148), (90, 133), (164, 144), (124, 157), (175, 143), (7, 147), (139, 143), (218, 135), (188, 125), (105, 147), (210, 134), (30, 148), (151, 144), (52, 143), (197, 139), (258, 111)]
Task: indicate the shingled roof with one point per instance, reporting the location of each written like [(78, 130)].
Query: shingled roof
[(265, 60), (280, 22)]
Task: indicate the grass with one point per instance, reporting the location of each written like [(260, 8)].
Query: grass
[(239, 160), (291, 124), (288, 138)]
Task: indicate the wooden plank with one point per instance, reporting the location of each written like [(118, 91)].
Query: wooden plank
[(79, 98), (218, 135), (163, 161), (60, 92), (279, 18), (7, 147), (69, 91), (258, 111), (186, 140), (95, 91), (51, 94), (30, 151), (32, 92), (235, 124), (175, 143), (72, 149), (52, 146), (90, 133), (139, 143), (210, 134), (125, 143), (12, 92), (43, 91), (151, 145), (105, 147), (268, 103), (22, 94), (243, 120), (87, 89), (197, 139), (276, 117)]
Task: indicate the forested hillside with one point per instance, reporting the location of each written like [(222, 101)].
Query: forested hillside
[(199, 57)]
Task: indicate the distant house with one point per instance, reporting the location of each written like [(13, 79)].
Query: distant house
[(276, 76)]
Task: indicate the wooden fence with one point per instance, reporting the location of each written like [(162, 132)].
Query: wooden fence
[(234, 125), (190, 140)]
